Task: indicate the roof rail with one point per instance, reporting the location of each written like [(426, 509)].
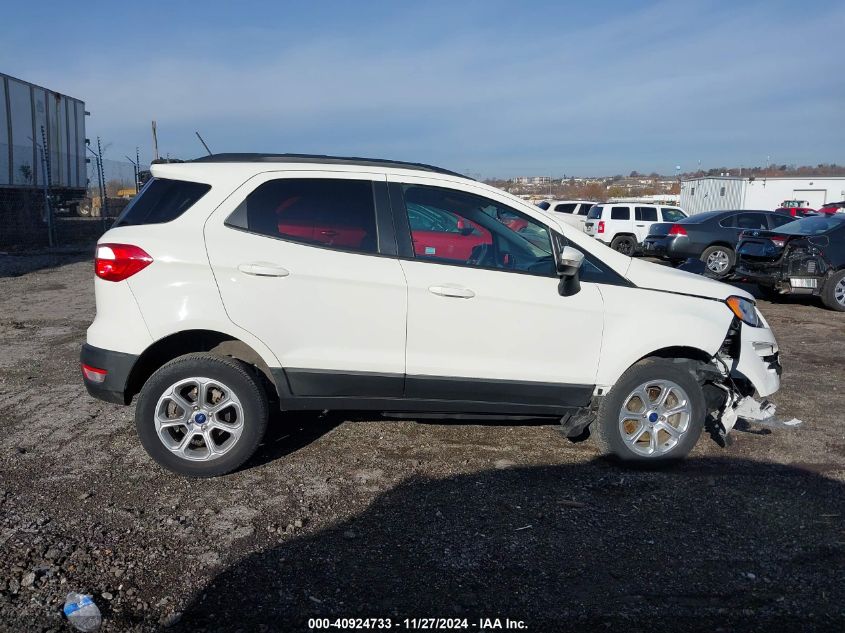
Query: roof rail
[(321, 159)]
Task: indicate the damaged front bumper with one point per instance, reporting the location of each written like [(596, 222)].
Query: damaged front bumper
[(748, 363)]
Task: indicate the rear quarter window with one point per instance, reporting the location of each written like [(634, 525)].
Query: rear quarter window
[(162, 200), (620, 213), (672, 215)]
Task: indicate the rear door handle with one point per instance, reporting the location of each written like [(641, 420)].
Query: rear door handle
[(641, 225), (452, 291), (263, 269)]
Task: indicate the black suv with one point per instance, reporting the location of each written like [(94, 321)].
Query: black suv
[(806, 256), (710, 236)]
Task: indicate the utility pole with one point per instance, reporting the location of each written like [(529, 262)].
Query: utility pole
[(135, 171), (155, 142)]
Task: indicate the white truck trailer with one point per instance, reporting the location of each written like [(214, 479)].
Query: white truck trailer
[(25, 109)]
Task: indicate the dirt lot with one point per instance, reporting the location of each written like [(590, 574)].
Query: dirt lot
[(404, 519)]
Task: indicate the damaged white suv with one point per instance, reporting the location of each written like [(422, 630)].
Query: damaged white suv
[(234, 284)]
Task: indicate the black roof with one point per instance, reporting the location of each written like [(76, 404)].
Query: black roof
[(321, 159), (698, 218)]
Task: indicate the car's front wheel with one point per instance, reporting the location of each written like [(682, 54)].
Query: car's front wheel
[(201, 415), (654, 413)]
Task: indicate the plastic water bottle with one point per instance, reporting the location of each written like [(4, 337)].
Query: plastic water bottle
[(81, 612)]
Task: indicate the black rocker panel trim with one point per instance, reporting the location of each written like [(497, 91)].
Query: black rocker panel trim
[(303, 389)]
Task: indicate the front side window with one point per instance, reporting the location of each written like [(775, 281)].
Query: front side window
[(333, 213), (671, 215), (646, 214), (565, 208), (620, 213), (455, 227)]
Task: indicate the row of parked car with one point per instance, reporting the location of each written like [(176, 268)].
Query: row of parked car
[(791, 250)]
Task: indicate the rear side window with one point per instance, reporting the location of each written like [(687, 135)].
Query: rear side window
[(779, 219), (565, 208), (595, 212), (326, 212), (751, 221), (620, 213), (646, 214), (671, 215), (162, 200)]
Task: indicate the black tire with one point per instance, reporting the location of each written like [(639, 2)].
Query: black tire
[(606, 428), (718, 252), (625, 244), (229, 372), (833, 292)]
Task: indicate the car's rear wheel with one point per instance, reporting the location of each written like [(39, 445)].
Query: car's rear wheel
[(201, 415), (718, 260), (624, 244), (654, 413), (833, 293)]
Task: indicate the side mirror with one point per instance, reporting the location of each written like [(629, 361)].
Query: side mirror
[(569, 262), (568, 265)]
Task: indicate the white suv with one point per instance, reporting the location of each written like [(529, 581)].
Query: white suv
[(624, 225), (237, 283), (573, 212)]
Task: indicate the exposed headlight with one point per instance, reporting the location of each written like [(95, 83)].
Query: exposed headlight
[(744, 310)]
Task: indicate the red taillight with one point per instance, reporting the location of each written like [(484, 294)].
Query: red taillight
[(601, 226), (677, 229), (780, 242), (94, 374), (116, 262)]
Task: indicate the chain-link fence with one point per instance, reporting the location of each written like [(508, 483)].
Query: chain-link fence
[(61, 199)]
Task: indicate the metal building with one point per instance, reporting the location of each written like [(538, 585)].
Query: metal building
[(714, 193)]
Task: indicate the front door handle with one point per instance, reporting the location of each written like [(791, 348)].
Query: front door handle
[(452, 291), (263, 269)]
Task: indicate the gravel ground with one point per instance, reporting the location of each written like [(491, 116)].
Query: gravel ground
[(373, 518)]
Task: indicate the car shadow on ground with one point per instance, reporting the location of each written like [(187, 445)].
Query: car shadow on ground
[(288, 432), (710, 544)]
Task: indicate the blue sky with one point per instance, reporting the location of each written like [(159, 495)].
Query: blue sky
[(490, 88)]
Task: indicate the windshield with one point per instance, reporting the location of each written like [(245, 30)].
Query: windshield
[(595, 212), (813, 225)]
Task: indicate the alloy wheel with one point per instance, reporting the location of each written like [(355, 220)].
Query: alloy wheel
[(199, 419), (839, 292), (654, 417), (718, 262)]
